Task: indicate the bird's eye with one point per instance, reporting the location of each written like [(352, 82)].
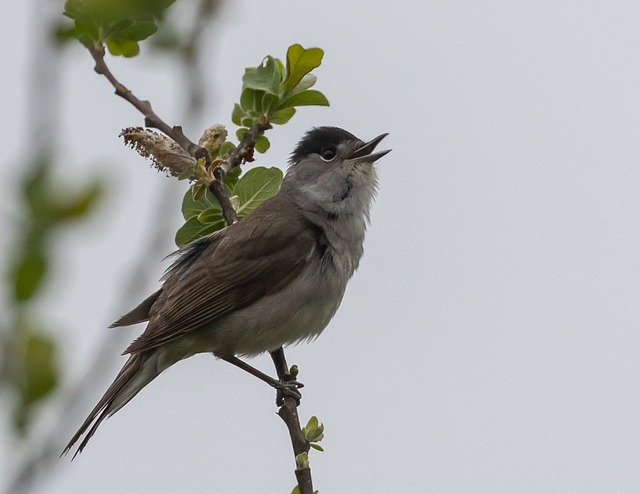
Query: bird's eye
[(327, 154)]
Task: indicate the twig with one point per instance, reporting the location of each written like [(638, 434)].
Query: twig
[(242, 153), (288, 412), (144, 107)]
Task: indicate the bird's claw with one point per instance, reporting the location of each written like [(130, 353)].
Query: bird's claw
[(288, 389)]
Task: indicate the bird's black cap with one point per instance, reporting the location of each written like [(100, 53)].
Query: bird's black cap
[(320, 139)]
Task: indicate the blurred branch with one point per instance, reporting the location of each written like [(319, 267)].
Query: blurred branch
[(46, 458), (191, 60)]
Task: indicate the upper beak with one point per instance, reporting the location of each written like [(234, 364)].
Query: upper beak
[(365, 152)]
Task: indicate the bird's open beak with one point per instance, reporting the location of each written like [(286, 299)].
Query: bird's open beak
[(365, 152)]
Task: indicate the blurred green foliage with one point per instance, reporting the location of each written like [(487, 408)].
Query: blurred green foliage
[(119, 24), (30, 352)]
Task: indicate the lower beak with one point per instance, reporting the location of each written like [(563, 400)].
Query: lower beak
[(365, 152)]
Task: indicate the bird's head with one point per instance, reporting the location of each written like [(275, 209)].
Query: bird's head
[(332, 170)]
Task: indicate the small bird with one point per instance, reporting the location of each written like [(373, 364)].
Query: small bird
[(272, 279)]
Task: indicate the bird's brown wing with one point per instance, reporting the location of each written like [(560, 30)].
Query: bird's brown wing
[(236, 268)]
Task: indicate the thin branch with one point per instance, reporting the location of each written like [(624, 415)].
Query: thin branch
[(144, 107), (288, 412), (242, 153)]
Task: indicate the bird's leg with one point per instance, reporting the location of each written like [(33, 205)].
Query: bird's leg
[(280, 362), (284, 373), (287, 388)]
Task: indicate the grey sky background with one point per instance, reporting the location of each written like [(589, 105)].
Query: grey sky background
[(489, 342)]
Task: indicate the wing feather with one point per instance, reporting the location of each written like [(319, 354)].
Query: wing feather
[(236, 268)]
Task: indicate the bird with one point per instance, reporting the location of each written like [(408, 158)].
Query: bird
[(272, 279)]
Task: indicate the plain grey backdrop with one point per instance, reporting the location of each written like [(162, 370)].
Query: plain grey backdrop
[(489, 342)]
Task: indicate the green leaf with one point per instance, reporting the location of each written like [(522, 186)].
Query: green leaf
[(282, 116), (123, 48), (49, 203), (191, 208), (316, 446), (305, 98), (314, 434), (265, 77), (262, 144), (232, 176), (77, 206), (237, 114), (302, 460), (241, 132), (312, 423), (251, 99), (29, 273), (305, 83), (269, 101), (313, 431), (193, 230), (300, 61), (296, 490), (248, 121), (36, 190), (33, 372), (211, 215), (39, 367), (226, 148), (198, 190), (136, 31), (118, 23), (255, 187)]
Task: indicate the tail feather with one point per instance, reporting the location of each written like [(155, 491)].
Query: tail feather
[(130, 380), (140, 314)]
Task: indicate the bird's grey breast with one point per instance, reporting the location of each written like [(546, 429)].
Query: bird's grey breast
[(298, 312)]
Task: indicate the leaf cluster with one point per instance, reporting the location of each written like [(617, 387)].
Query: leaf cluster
[(270, 94), (314, 433), (202, 212), (272, 91), (30, 367), (119, 24)]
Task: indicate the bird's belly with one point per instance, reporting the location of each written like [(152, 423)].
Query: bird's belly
[(298, 312)]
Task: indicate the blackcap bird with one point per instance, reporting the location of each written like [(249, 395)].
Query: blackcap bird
[(274, 278)]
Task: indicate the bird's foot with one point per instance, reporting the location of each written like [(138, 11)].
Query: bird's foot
[(287, 389)]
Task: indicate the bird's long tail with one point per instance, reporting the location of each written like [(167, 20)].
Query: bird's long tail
[(136, 373)]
